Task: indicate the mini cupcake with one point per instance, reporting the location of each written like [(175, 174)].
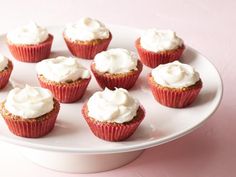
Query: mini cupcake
[(30, 111), (6, 68), (159, 47), (87, 37), (113, 115), (30, 43), (175, 84), (65, 77), (116, 68)]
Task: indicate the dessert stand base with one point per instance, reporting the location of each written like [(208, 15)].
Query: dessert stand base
[(79, 163)]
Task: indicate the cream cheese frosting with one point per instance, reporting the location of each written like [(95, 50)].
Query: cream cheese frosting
[(114, 106), (28, 34), (3, 62), (160, 40), (29, 102), (175, 75), (62, 69), (116, 61), (86, 29)]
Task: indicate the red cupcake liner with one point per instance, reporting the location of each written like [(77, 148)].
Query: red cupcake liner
[(5, 75), (112, 81), (113, 131), (68, 92), (175, 98), (32, 128), (153, 59), (87, 50), (31, 53)]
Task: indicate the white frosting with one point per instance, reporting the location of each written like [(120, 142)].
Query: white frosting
[(175, 75), (112, 106), (3, 62), (29, 102), (62, 69), (160, 40), (116, 61), (86, 29), (28, 34)]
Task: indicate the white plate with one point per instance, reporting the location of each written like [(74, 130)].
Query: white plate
[(161, 124)]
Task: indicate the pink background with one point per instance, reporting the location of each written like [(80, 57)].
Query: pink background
[(206, 25)]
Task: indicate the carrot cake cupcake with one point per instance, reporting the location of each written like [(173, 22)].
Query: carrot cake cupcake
[(30, 43), (87, 37), (159, 47), (116, 68), (175, 84), (6, 68), (30, 111), (65, 77), (113, 115)]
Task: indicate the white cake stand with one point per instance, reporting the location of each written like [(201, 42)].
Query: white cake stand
[(71, 147)]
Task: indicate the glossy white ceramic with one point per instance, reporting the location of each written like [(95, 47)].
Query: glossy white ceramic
[(71, 133)]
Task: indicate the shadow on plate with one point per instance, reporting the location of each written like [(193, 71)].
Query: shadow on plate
[(63, 128), (141, 84), (142, 134), (189, 56), (57, 53), (204, 97)]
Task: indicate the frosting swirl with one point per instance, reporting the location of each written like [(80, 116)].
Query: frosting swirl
[(86, 29), (160, 40), (116, 61), (175, 75), (3, 62), (28, 34), (29, 102), (112, 106), (62, 69)]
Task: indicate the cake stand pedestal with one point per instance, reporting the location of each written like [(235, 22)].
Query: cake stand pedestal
[(79, 163)]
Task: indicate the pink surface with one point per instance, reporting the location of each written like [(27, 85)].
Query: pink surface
[(206, 25)]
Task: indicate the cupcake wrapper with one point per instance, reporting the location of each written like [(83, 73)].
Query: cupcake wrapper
[(87, 51), (5, 75), (31, 53), (152, 59), (113, 131), (111, 81), (33, 128), (172, 97), (66, 93)]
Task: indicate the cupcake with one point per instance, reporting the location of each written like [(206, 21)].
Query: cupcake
[(116, 68), (6, 68), (30, 111), (113, 115), (157, 47), (65, 77), (30, 43), (87, 37), (175, 84)]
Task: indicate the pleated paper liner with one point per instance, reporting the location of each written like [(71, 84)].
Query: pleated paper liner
[(5, 75), (175, 98), (65, 92), (123, 80), (31, 53), (153, 59), (113, 131), (87, 50), (31, 128)]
